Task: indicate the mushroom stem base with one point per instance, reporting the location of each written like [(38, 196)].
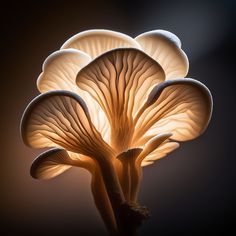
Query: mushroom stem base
[(132, 216)]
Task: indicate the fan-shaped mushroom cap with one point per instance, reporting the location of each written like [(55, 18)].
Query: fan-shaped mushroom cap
[(165, 48), (182, 107), (152, 145), (59, 73), (96, 42), (50, 164), (61, 118), (55, 161), (119, 81), (161, 151), (59, 70)]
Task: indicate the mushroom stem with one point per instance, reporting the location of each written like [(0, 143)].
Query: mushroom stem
[(129, 177), (136, 179), (113, 189), (102, 201), (126, 181)]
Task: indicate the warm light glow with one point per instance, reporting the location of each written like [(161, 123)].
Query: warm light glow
[(113, 104)]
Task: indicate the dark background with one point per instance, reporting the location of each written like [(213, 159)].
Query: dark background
[(190, 192)]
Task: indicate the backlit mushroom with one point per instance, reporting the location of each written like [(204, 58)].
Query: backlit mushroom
[(113, 104)]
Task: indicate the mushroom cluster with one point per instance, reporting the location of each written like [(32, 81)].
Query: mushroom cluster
[(113, 104)]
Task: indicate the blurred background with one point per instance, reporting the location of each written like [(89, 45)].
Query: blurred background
[(190, 192)]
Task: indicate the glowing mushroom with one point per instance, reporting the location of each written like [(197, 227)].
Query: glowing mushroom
[(112, 105)]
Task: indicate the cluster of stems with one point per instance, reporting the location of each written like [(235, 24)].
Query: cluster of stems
[(115, 185)]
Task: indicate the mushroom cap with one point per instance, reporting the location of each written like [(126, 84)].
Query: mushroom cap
[(61, 118), (165, 48), (98, 41)]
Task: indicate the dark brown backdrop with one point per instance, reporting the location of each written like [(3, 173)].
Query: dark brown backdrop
[(192, 191)]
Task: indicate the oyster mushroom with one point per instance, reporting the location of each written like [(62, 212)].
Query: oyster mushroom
[(112, 105)]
